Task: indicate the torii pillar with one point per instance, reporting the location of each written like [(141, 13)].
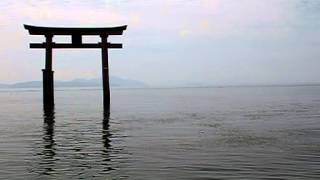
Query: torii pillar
[(76, 34), (48, 87)]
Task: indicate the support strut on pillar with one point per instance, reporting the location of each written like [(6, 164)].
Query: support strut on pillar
[(105, 72), (48, 92)]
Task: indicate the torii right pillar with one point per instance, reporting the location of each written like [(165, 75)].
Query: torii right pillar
[(105, 73)]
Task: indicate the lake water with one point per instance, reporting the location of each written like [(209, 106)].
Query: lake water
[(177, 133)]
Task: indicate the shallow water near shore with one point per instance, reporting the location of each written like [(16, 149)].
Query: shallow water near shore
[(173, 133)]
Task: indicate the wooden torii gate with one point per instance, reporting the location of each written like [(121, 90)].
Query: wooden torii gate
[(76, 36)]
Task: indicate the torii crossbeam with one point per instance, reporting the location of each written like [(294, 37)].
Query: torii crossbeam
[(76, 36)]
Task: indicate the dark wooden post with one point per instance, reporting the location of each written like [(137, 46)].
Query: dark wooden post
[(105, 72), (48, 93)]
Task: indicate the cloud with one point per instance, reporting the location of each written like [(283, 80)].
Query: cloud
[(62, 13)]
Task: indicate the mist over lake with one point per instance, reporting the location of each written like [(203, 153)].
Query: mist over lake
[(97, 82)]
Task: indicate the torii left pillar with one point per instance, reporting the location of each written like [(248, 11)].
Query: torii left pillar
[(48, 89)]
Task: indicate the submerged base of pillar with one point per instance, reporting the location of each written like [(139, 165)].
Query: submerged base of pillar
[(48, 92), (106, 91)]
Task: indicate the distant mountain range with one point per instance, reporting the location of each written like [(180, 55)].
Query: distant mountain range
[(114, 82)]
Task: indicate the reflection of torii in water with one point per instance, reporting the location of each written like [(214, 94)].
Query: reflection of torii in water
[(76, 36), (49, 145)]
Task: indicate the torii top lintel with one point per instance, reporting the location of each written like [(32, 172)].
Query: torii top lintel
[(76, 35), (38, 30)]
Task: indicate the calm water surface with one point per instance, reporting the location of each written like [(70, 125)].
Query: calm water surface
[(186, 133)]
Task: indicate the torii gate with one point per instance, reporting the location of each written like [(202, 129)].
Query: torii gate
[(76, 35)]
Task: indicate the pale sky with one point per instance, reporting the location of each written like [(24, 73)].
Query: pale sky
[(171, 42)]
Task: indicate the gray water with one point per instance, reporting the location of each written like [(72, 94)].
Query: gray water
[(181, 133)]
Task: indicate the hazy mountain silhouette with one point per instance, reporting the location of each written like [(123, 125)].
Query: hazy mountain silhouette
[(114, 82)]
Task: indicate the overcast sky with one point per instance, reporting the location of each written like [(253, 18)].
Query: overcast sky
[(171, 42)]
